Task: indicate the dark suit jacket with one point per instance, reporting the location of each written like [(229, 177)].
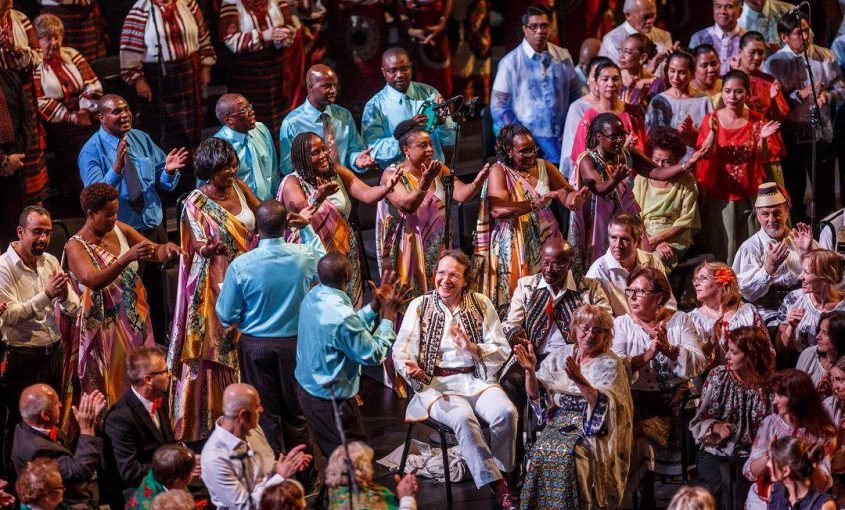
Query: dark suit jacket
[(132, 438), (76, 467)]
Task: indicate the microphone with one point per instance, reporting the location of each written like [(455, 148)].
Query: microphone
[(445, 104), (795, 11), (472, 105)]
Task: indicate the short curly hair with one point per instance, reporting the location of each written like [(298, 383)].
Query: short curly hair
[(212, 156), (95, 197), (669, 139), (504, 142), (37, 480), (47, 25)]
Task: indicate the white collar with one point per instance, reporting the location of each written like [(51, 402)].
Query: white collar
[(612, 263), (570, 284), (230, 441), (148, 404), (630, 30), (529, 51), (721, 33)]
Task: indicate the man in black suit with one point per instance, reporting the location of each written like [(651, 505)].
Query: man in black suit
[(139, 422), (38, 436)]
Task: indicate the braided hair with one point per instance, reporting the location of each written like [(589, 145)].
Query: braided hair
[(300, 158), (504, 142), (598, 124)]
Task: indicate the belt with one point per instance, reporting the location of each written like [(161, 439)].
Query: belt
[(27, 349), (444, 372)]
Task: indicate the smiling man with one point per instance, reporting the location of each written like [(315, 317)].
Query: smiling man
[(640, 16), (725, 34)]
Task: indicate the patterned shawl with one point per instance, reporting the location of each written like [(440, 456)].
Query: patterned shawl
[(432, 319)]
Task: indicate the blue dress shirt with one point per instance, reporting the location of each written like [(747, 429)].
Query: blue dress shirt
[(535, 89), (95, 165), (258, 166), (385, 110), (334, 341), (838, 49), (348, 141), (264, 287)]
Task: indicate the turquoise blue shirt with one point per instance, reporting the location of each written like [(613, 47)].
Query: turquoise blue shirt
[(258, 166), (264, 287), (334, 341), (305, 117), (95, 161), (385, 110)]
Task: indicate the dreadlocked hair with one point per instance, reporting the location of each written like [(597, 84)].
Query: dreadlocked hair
[(504, 142), (601, 120), (300, 158)]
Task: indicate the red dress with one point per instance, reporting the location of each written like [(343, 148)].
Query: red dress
[(734, 168), (632, 118)]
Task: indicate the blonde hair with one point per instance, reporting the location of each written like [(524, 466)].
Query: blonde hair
[(176, 499), (585, 314), (730, 290), (362, 465), (692, 498), (825, 264), (47, 25)]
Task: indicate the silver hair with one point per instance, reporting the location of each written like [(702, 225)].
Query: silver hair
[(630, 5), (236, 397), (177, 499)]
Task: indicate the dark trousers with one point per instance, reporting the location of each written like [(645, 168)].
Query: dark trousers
[(268, 364), (25, 366), (320, 418), (151, 277), (715, 473), (513, 384), (797, 167)]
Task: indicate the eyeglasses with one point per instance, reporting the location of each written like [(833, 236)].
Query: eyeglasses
[(158, 372), (448, 274), (615, 138), (242, 111), (629, 52), (554, 266), (528, 151), (638, 293), (538, 26), (596, 330)]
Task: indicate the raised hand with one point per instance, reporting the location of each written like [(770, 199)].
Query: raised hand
[(390, 296), (573, 371), (364, 159), (776, 254), (296, 460), (774, 90), (803, 236), (176, 160), (325, 190), (482, 174), (90, 406), (631, 140), (794, 316), (394, 180), (769, 128), (576, 199), (686, 126), (430, 171), (57, 286), (462, 341), (121, 153), (525, 356)]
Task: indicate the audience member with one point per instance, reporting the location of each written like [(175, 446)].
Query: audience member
[(369, 493), (258, 166), (256, 32), (589, 50), (39, 436), (218, 224), (177, 499), (166, 56), (67, 91), (318, 181), (734, 401), (14, 137), (575, 113), (514, 218), (238, 464), (739, 143), (690, 497), (587, 395), (720, 309), (797, 412), (535, 83), (763, 16), (818, 360), (40, 485), (669, 209), (638, 84), (640, 16), (172, 468), (114, 318), (400, 100), (84, 24), (139, 423), (450, 349), (835, 407), (334, 341), (31, 285), (411, 220), (319, 114), (788, 67), (793, 467), (623, 258), (724, 35), (665, 354), (261, 295), (288, 495), (705, 77), (422, 29)]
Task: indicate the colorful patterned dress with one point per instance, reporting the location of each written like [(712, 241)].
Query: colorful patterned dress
[(373, 497), (143, 496), (508, 249), (331, 224), (112, 322), (632, 117), (203, 354), (410, 243)]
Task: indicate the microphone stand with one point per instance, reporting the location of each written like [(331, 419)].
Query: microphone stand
[(350, 472), (160, 73), (459, 117)]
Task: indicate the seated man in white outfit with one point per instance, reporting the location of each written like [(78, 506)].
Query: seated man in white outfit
[(450, 349)]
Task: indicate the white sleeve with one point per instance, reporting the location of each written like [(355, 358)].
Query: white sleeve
[(407, 345), (691, 359)]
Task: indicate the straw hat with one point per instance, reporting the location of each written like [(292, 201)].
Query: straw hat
[(769, 194)]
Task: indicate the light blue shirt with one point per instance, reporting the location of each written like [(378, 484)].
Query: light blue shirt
[(535, 89), (334, 341), (258, 166), (347, 140), (838, 49), (765, 21), (385, 110), (95, 165), (264, 287)]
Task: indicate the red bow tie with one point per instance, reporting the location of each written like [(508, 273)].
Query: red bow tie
[(156, 405), (53, 433)]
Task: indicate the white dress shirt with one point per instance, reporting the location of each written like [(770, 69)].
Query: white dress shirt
[(148, 405), (30, 317), (613, 276), (236, 471), (765, 21), (630, 339)]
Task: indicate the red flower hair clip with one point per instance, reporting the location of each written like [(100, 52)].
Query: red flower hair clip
[(724, 276)]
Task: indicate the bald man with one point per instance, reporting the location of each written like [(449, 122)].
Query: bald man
[(258, 165), (640, 16), (334, 123), (238, 446), (589, 50), (39, 436), (399, 100)]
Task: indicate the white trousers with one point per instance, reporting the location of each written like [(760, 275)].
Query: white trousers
[(494, 407)]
